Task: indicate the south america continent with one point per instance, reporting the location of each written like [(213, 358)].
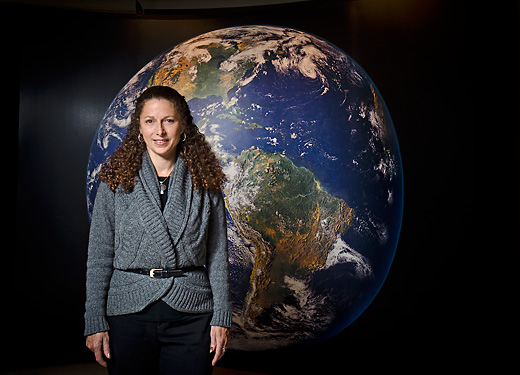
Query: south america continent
[(292, 222)]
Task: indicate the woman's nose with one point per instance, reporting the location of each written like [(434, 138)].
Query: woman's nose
[(160, 129)]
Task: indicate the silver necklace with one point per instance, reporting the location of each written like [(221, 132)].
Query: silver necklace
[(162, 186)]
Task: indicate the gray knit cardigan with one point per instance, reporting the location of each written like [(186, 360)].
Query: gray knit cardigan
[(128, 230)]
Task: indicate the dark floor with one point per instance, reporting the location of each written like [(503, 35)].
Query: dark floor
[(94, 369)]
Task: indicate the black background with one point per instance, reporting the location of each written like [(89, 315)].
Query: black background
[(432, 62)]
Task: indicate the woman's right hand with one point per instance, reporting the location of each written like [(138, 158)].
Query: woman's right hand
[(98, 343)]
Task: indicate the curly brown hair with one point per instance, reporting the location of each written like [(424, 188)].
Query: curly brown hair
[(123, 165)]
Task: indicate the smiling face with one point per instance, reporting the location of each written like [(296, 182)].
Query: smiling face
[(161, 127)]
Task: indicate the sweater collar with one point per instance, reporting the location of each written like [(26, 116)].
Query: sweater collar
[(165, 227)]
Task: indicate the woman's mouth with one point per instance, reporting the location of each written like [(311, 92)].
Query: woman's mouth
[(160, 141)]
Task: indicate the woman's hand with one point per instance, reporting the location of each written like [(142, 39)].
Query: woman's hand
[(219, 340), (98, 343)]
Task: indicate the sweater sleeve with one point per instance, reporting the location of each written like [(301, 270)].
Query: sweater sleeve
[(100, 260), (218, 262)]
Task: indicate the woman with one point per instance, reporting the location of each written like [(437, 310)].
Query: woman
[(158, 298)]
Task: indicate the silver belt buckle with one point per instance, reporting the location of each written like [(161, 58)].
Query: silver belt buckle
[(152, 272)]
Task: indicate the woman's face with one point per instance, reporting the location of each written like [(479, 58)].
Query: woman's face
[(161, 127)]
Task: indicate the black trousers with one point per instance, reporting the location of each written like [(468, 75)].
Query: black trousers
[(143, 347)]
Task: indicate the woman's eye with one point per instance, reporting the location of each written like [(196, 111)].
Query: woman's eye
[(148, 121)]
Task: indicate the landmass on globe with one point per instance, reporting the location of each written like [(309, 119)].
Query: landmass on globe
[(292, 222)]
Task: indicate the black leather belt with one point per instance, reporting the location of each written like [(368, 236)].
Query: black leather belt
[(161, 273)]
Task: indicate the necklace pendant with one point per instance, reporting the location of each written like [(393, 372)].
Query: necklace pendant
[(162, 189)]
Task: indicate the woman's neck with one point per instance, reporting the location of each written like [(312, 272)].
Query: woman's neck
[(163, 167)]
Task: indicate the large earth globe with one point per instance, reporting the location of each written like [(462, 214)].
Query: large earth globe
[(315, 192)]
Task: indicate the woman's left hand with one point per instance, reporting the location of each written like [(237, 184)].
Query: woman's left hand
[(219, 340)]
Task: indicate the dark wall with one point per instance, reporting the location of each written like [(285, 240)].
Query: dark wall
[(421, 56)]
